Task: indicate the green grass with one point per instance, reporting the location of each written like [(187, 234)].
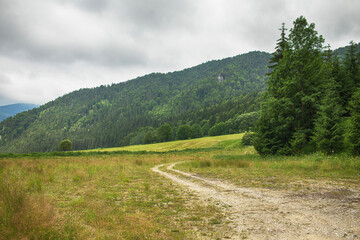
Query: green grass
[(198, 143), (252, 170)]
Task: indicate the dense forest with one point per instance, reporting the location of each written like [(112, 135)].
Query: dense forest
[(312, 102), (211, 95)]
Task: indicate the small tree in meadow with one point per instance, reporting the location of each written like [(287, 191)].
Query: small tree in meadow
[(65, 145)]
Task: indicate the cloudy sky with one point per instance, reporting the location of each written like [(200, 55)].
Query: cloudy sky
[(51, 47)]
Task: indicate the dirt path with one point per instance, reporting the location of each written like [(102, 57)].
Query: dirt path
[(255, 213)]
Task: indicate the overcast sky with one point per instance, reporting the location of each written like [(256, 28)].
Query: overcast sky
[(51, 47)]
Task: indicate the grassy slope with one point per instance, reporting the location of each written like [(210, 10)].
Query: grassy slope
[(198, 143), (119, 197)]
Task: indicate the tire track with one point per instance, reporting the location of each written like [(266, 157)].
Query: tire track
[(266, 214)]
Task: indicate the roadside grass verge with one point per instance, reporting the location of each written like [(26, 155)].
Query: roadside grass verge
[(281, 172)]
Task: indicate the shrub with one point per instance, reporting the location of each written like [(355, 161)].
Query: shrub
[(248, 139), (65, 145)]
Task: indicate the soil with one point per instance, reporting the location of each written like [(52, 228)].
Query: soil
[(258, 213)]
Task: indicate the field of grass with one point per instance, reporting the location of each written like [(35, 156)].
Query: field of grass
[(117, 196), (98, 197), (230, 141)]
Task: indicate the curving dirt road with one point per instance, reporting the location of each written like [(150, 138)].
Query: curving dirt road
[(256, 213)]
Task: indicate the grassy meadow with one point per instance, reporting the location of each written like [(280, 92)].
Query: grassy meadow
[(231, 141), (117, 196)]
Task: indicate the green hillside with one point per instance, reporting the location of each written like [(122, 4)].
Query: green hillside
[(221, 142), (120, 114)]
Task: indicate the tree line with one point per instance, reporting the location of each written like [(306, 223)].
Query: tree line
[(312, 102)]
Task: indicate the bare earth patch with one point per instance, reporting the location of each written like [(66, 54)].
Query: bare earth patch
[(257, 213)]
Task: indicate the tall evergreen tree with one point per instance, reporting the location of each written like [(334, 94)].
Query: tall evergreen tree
[(354, 124), (329, 132), (338, 74), (290, 104), (351, 79), (279, 49)]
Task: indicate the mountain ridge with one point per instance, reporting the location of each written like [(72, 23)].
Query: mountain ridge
[(13, 109), (105, 115)]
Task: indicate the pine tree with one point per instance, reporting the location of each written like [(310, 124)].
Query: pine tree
[(351, 79), (274, 126), (279, 49), (354, 124), (290, 105), (329, 131), (337, 73)]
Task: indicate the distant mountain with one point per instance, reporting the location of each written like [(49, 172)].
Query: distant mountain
[(109, 116), (13, 109), (341, 52)]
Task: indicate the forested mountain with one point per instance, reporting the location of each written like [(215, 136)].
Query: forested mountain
[(120, 114), (342, 51), (13, 109)]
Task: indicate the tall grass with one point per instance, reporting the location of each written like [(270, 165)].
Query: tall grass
[(95, 197), (25, 216)]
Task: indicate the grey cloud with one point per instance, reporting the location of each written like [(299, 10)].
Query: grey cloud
[(111, 56), (18, 42), (341, 23), (5, 101), (156, 14), (92, 5), (4, 94), (4, 79)]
